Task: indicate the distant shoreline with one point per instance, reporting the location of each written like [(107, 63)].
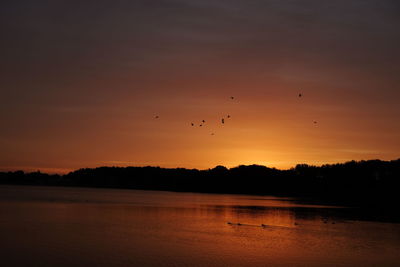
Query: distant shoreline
[(357, 183)]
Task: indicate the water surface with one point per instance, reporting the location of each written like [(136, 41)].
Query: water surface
[(55, 226)]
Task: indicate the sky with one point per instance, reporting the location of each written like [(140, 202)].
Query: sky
[(82, 82)]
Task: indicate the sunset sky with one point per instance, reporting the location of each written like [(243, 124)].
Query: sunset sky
[(82, 81)]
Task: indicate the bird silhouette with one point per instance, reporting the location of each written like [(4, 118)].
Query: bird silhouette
[(192, 124), (223, 121), (300, 95), (156, 117), (232, 97), (228, 116), (203, 121)]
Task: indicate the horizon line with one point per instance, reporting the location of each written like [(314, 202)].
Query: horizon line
[(68, 170)]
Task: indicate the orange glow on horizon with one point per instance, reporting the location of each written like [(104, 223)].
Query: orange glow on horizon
[(74, 100)]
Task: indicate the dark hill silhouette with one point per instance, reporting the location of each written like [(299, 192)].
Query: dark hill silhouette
[(363, 182)]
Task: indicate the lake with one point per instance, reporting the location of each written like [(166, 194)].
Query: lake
[(58, 226)]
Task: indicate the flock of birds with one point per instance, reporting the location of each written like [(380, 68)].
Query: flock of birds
[(324, 220), (202, 123), (255, 225)]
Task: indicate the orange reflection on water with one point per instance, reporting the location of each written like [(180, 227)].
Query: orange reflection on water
[(103, 227)]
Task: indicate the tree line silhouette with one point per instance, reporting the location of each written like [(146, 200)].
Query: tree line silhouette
[(355, 182)]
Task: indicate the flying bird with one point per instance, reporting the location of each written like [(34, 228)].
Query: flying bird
[(192, 124), (228, 116), (223, 121), (203, 121), (300, 95), (232, 97)]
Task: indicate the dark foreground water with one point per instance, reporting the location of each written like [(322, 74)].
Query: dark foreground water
[(54, 226)]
